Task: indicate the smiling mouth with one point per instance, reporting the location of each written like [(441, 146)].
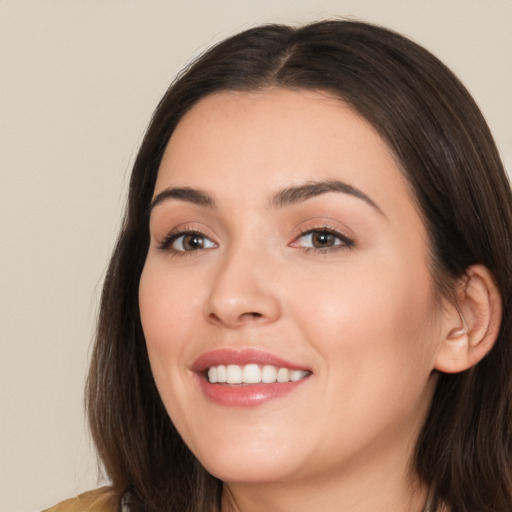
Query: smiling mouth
[(253, 374)]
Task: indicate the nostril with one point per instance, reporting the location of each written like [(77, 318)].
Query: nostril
[(244, 317), (252, 315)]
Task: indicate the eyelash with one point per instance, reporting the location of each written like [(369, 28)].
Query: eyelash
[(345, 241), (166, 243)]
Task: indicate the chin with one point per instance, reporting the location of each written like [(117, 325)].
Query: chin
[(251, 464), (244, 471)]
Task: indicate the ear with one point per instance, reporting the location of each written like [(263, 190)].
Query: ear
[(471, 325)]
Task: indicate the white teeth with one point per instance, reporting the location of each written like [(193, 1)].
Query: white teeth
[(212, 375), (283, 375), (221, 373), (268, 374), (233, 374), (296, 375), (253, 374)]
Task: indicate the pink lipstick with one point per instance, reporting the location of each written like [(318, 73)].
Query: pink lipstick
[(246, 378)]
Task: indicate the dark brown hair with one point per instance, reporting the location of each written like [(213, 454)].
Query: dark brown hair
[(447, 153)]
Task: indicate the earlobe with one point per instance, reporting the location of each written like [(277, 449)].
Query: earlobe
[(471, 326)]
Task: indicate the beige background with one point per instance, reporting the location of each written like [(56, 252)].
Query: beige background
[(78, 82)]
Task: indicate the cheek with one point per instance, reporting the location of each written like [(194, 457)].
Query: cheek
[(375, 332), (378, 315), (167, 308)]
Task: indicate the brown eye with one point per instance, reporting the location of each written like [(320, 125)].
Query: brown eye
[(188, 242), (322, 239)]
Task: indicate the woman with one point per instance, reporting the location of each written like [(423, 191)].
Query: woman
[(309, 303)]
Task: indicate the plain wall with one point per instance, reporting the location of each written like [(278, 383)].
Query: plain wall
[(78, 83)]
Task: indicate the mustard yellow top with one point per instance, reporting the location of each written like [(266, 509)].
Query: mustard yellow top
[(99, 500)]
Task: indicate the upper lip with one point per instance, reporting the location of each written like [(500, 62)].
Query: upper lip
[(241, 358)]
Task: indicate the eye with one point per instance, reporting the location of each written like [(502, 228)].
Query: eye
[(322, 239), (187, 242)]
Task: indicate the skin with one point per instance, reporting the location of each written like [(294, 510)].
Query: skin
[(361, 316)]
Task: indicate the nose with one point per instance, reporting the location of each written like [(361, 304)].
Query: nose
[(242, 293)]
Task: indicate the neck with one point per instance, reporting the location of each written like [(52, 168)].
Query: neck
[(375, 500), (308, 498), (357, 488)]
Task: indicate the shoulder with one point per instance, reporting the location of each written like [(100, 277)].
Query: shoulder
[(99, 500)]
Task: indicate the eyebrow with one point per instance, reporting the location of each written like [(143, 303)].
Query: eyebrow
[(299, 193), (188, 194), (284, 197)]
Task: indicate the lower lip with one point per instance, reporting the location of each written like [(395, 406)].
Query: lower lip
[(249, 395)]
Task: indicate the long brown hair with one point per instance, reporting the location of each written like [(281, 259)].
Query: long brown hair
[(447, 153)]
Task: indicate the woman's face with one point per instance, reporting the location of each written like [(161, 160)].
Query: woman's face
[(285, 247)]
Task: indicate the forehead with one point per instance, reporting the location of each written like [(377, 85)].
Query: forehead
[(274, 138)]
